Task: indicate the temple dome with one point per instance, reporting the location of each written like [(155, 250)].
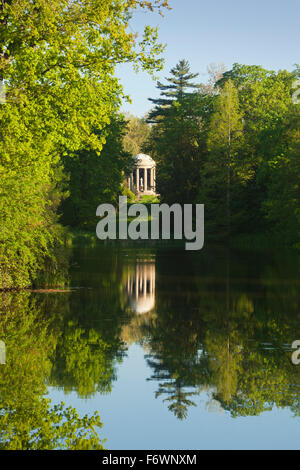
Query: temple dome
[(144, 160)]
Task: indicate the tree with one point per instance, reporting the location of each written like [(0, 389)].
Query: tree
[(94, 179), (178, 84), (224, 143), (280, 175), (137, 132), (177, 141), (265, 102), (58, 60), (215, 74)]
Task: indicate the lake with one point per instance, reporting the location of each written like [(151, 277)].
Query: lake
[(174, 349)]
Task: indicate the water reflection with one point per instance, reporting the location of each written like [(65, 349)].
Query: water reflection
[(140, 286), (27, 419), (211, 323)]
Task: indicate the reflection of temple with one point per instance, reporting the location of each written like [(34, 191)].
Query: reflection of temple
[(141, 287)]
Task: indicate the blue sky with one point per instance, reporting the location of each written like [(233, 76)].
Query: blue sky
[(264, 32)]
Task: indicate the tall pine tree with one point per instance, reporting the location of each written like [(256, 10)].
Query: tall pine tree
[(179, 83), (177, 138)]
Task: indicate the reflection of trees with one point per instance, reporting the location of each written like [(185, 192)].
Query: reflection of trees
[(27, 420), (84, 361), (204, 333), (176, 366), (67, 340), (178, 399), (226, 335), (224, 363), (89, 346), (173, 387), (173, 341), (133, 331)]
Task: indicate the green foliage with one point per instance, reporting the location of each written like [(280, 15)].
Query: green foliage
[(137, 132), (177, 139), (58, 62), (27, 419), (233, 148), (57, 428), (94, 179), (281, 176), (224, 142), (131, 197), (176, 88), (148, 200)]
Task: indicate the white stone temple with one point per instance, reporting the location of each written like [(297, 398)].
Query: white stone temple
[(141, 287), (142, 180)]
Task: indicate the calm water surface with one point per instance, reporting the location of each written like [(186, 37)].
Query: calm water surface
[(175, 349)]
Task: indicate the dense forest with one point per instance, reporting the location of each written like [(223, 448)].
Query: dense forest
[(233, 145), (61, 105), (65, 147)]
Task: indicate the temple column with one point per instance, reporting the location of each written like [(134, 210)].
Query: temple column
[(145, 179), (137, 180), (153, 183)]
